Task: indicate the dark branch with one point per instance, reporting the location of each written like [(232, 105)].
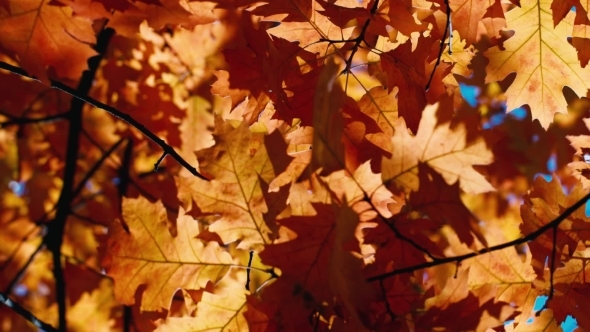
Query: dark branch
[(160, 160), (19, 121), (530, 237), (397, 232), (95, 167), (442, 44), (248, 271), (26, 314), (124, 176), (20, 273), (55, 229), (387, 306), (123, 116), (360, 38)]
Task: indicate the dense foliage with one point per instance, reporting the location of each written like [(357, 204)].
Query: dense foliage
[(294, 165)]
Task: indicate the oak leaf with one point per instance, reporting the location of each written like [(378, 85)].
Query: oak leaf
[(470, 14), (184, 13), (44, 35), (314, 238), (406, 68), (302, 21), (571, 289), (460, 55), (544, 203), (237, 164), (581, 41), (143, 247), (401, 16), (221, 310), (268, 68), (473, 306), (381, 105), (443, 148), (94, 309), (542, 58)]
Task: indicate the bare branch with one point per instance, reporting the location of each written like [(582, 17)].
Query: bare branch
[(248, 271), (442, 44), (123, 116), (26, 314), (19, 121), (530, 237), (54, 237), (160, 160)]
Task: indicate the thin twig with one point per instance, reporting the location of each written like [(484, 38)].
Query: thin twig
[(55, 230), (22, 241), (552, 269), (248, 270), (19, 121), (26, 314), (442, 45), (20, 273), (160, 160), (387, 306), (95, 168), (123, 116), (530, 237)]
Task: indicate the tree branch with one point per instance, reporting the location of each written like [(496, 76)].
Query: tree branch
[(21, 272), (123, 116), (55, 229), (95, 167), (26, 314), (18, 121), (442, 44), (530, 237)]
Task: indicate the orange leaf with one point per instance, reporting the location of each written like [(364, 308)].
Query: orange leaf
[(237, 163), (536, 53), (443, 148), (147, 249), (42, 35)]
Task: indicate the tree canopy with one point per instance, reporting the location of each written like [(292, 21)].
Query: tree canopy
[(294, 165)]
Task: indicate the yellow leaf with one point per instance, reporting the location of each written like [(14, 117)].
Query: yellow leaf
[(381, 106), (93, 310), (542, 58), (237, 163), (443, 148), (460, 55), (222, 310), (149, 256)]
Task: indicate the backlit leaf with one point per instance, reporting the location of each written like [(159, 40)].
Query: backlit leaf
[(147, 249), (542, 58)]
